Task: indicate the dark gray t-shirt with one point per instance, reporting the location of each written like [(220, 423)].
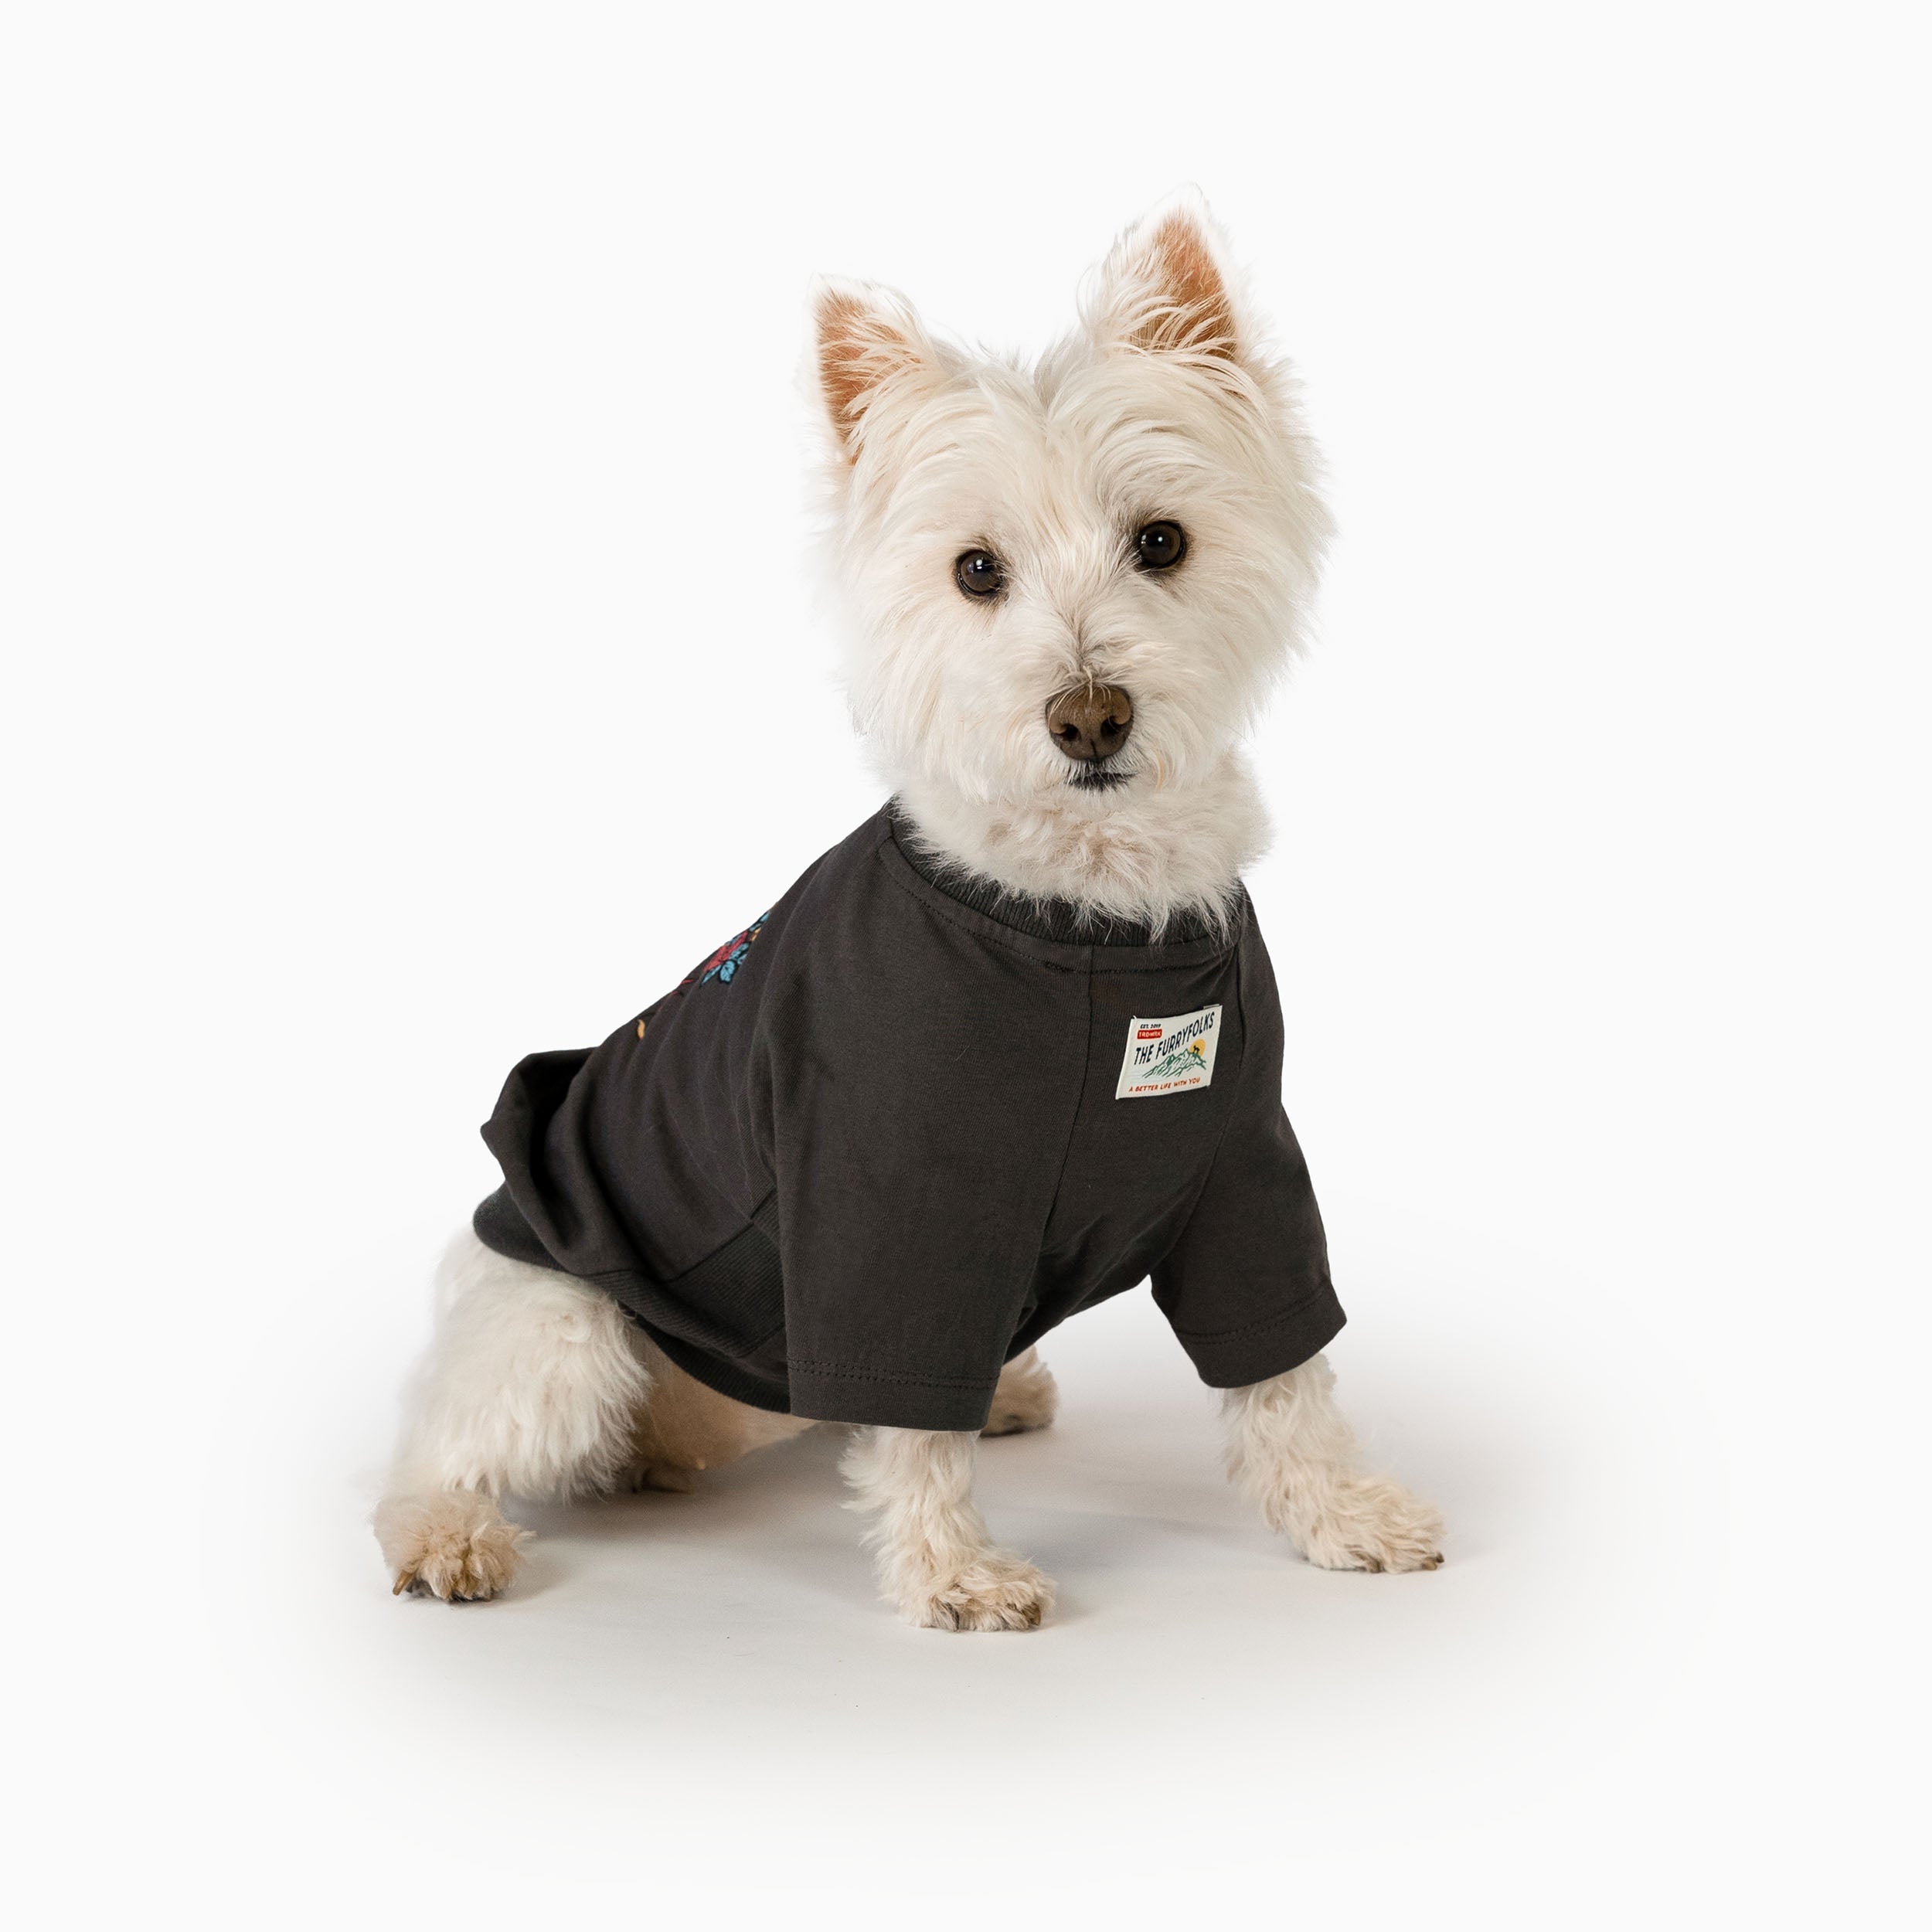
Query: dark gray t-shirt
[(887, 1136)]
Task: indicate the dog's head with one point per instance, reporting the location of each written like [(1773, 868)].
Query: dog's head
[(1069, 585)]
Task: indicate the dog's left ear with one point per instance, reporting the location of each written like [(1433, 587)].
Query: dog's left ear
[(1166, 289)]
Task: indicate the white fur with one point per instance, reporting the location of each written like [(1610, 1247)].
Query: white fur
[(529, 1389), (1054, 467), (1028, 1397), (937, 1563), (1162, 405), (1291, 1449), (537, 1386), (532, 1386)]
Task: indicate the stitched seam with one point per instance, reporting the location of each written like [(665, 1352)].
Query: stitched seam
[(1092, 948), (611, 1280), (831, 1371), (1211, 958), (1302, 1313), (671, 1280), (1051, 965), (1229, 939), (986, 939)]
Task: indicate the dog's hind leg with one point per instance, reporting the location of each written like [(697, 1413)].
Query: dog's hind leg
[(1027, 1398), (529, 1389), (685, 1428), (1291, 1449), (937, 1562)]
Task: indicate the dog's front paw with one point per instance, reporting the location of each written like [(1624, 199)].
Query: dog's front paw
[(993, 1590), (1369, 1522), (452, 1543)]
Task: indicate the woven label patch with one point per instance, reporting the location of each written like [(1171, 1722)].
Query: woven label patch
[(1169, 1055)]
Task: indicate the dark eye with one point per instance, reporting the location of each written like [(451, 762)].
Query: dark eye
[(978, 574), (1160, 546)]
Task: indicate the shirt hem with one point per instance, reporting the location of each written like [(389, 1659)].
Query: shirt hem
[(720, 1376), (883, 1399)]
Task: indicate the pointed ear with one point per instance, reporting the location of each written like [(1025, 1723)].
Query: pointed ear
[(1164, 289), (868, 338)]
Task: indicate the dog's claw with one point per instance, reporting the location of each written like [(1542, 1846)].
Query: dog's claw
[(1369, 1523), (996, 1590), (448, 1543)]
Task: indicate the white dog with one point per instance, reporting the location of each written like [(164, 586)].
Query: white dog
[(1069, 589)]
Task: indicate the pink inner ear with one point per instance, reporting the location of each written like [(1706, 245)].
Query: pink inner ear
[(1195, 311), (856, 348)]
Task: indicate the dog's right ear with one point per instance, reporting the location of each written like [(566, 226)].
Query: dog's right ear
[(1166, 289), (868, 342)]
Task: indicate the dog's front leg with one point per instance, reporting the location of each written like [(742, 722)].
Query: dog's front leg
[(937, 1560), (1291, 1449)]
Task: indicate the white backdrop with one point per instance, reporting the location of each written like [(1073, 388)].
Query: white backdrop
[(412, 665)]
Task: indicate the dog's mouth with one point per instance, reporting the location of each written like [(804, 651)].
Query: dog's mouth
[(1098, 778)]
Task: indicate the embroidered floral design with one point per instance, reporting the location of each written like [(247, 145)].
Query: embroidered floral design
[(723, 964)]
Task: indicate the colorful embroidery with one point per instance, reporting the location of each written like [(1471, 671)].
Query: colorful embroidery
[(724, 963)]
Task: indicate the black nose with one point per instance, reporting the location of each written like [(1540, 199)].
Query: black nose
[(1091, 723)]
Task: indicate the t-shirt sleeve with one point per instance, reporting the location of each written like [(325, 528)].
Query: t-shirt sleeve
[(1245, 1287)]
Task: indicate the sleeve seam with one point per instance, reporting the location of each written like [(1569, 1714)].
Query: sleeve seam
[(1300, 1312), (832, 1371)]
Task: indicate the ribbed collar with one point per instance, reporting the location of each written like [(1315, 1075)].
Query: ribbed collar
[(1050, 919)]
